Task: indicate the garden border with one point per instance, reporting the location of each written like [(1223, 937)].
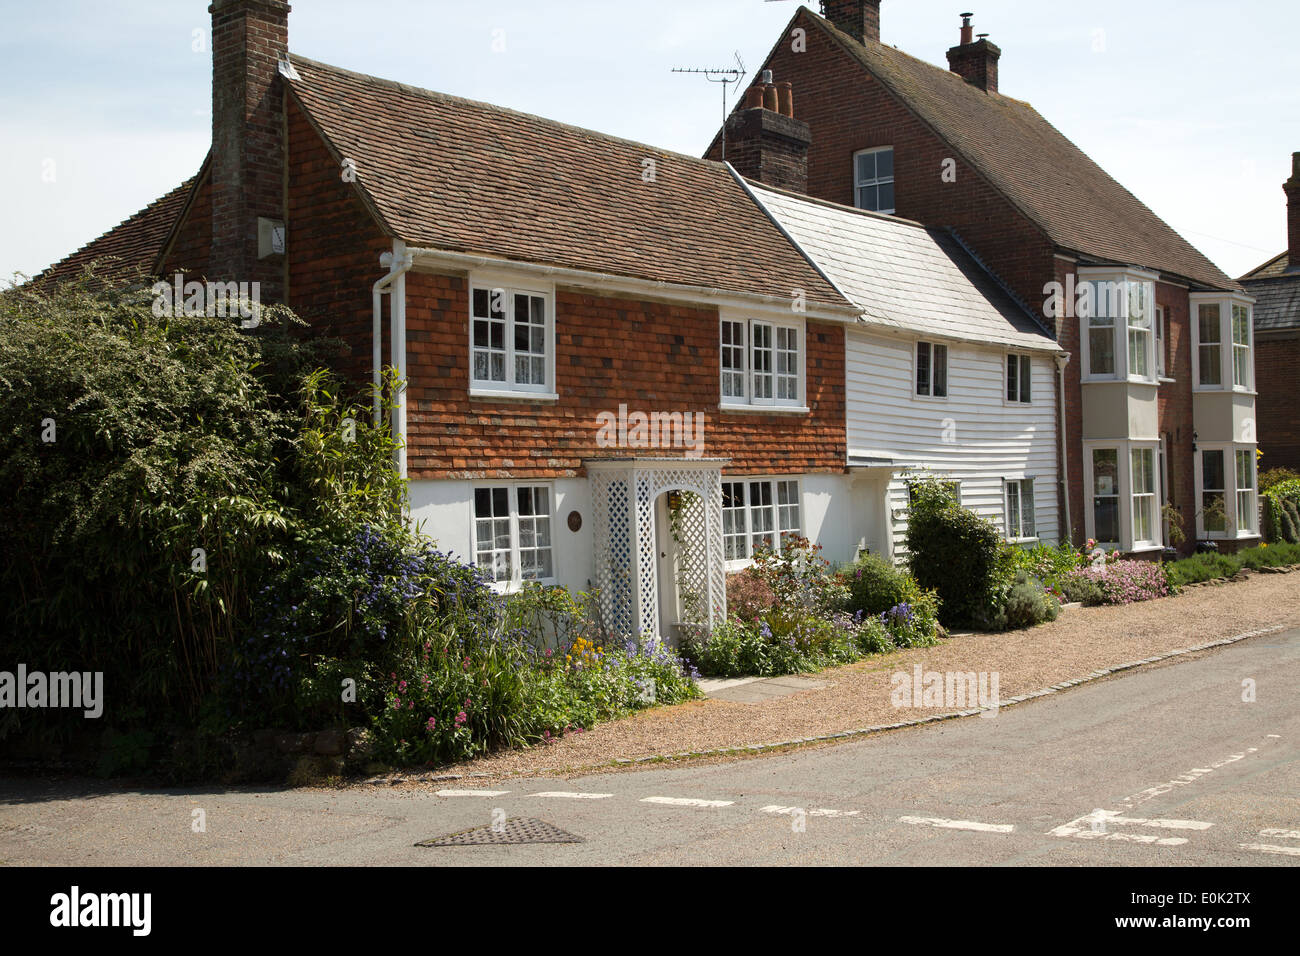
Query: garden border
[(622, 762)]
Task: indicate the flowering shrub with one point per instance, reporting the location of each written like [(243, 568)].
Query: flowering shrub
[(748, 595), (799, 577), (1123, 582)]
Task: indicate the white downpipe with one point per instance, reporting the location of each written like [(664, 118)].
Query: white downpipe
[(398, 262), (1063, 360)]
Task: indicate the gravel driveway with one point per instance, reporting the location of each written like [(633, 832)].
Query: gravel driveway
[(858, 695)]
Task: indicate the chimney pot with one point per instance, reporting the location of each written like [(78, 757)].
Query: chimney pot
[(754, 97), (967, 31), (785, 98), (770, 101)]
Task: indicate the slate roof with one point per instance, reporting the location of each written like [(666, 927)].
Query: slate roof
[(1051, 181), (454, 174), (903, 275), (134, 244), (1277, 294)]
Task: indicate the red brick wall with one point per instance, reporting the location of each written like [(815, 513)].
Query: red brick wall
[(656, 357), (1277, 406), (333, 249), (193, 243)]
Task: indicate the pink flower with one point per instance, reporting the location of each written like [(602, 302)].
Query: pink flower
[(431, 724)]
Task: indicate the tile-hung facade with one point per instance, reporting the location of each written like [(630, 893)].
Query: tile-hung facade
[(1157, 397), (625, 369)]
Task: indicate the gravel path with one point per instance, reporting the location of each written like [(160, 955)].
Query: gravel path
[(858, 695)]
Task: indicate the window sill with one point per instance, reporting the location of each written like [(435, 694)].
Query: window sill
[(765, 409), (1023, 540), (510, 395), (1212, 390), (1145, 549), (514, 587), (1165, 380)]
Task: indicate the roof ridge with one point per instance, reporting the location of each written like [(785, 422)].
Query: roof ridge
[(1264, 265), (427, 93), (186, 185)]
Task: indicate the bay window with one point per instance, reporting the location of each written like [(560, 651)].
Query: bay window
[(1124, 494), (1118, 318), (1222, 351), (1226, 489), (1143, 471)]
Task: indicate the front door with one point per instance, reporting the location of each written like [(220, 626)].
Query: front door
[(666, 569)]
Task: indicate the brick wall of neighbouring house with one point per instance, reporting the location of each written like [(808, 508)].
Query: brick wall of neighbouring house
[(333, 247), (1174, 407), (1277, 406), (654, 356)]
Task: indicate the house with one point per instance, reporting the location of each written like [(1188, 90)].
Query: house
[(1276, 288), (1157, 400), (624, 368)]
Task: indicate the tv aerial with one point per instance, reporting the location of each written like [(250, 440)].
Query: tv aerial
[(724, 76)]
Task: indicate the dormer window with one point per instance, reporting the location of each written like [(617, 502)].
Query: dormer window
[(873, 179)]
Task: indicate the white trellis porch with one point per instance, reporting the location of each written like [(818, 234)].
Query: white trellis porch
[(623, 496)]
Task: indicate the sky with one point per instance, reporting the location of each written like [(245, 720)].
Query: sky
[(1193, 105)]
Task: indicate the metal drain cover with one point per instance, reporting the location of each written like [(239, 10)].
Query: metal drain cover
[(514, 831)]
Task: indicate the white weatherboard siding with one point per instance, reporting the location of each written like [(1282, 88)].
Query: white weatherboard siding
[(974, 435)]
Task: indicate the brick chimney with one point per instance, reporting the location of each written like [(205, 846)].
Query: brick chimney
[(975, 60), (764, 140), (860, 19), (248, 39), (1292, 189)]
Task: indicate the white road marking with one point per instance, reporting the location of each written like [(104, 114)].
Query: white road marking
[(814, 812), (472, 793), (687, 802), (959, 824), (1184, 779), (1285, 834), (1083, 828), (1266, 848), (574, 796)]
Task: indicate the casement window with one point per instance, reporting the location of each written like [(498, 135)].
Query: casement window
[(873, 179), (1143, 477), (1222, 347), (759, 513), (1240, 346), (1020, 523), (1105, 495), (1214, 511), (761, 363), (1124, 495), (931, 370), (1019, 379), (1209, 345), (1118, 325), (512, 533), (511, 336)]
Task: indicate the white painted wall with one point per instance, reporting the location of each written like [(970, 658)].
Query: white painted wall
[(973, 435)]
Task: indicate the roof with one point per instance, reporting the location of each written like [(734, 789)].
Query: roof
[(903, 275), (1276, 288), (1053, 183), (461, 176), (133, 245)]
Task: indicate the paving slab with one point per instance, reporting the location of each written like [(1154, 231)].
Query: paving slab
[(761, 690)]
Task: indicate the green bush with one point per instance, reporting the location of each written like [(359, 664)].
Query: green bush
[(1083, 590), (1200, 567), (956, 553), (1282, 511), (1270, 555), (875, 585), (1275, 476), (1028, 603)]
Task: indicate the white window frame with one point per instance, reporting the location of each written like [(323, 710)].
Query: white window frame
[(1024, 379), (1120, 326), (1150, 498), (772, 327), (1228, 348), (947, 370), (1162, 333), (516, 579), (774, 514), (1018, 483), (1232, 529), (510, 286), (1124, 449), (876, 181)]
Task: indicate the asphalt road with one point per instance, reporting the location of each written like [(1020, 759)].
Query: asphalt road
[(1166, 766)]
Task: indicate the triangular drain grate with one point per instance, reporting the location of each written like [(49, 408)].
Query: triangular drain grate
[(514, 831)]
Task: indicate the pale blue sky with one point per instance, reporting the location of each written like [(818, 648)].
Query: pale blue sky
[(1191, 105)]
